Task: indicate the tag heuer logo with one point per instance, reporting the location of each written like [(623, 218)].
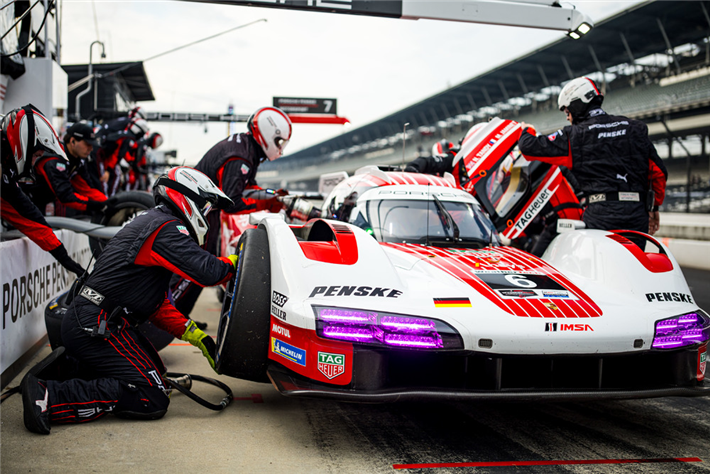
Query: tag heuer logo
[(331, 365), (278, 299)]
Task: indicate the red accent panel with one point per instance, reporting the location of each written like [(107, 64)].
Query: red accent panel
[(37, 233), (342, 251), (169, 319), (653, 262), (658, 182), (315, 118), (307, 340), (84, 189), (148, 258)]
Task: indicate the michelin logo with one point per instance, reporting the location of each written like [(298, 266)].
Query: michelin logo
[(287, 351)]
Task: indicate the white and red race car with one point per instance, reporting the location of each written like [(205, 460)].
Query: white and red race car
[(406, 294)]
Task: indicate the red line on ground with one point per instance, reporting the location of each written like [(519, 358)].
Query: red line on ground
[(542, 463)]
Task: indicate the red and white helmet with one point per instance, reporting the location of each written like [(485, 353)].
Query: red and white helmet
[(155, 140), (578, 96), (441, 147), (137, 113), (28, 132), (192, 195), (271, 128), (138, 127)]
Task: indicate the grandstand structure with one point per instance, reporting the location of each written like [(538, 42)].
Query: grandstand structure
[(652, 62)]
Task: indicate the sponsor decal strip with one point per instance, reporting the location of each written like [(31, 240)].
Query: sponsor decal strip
[(535, 205), (452, 302), (543, 463)]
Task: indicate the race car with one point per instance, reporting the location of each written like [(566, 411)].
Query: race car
[(405, 292)]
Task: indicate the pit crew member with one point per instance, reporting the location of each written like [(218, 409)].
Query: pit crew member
[(232, 164), (27, 135), (128, 286), (67, 179), (612, 158)]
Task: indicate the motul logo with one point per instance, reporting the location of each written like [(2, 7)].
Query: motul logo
[(281, 331), (554, 327)]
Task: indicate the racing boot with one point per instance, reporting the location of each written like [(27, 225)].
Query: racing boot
[(35, 401), (51, 367)]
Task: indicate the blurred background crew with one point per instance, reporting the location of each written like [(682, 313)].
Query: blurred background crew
[(66, 178)]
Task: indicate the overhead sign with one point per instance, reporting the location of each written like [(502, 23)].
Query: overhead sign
[(387, 8), (301, 105)]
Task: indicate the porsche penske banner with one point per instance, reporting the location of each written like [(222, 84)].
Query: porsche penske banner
[(30, 277)]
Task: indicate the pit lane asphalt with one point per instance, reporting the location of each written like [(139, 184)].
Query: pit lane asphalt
[(265, 432)]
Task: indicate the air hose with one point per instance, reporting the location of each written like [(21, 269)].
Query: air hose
[(183, 382)]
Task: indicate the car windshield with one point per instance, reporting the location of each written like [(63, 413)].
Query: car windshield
[(425, 222)]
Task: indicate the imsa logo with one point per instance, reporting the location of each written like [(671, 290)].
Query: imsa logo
[(331, 365), (554, 327)]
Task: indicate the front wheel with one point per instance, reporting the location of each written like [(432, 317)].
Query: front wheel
[(243, 333)]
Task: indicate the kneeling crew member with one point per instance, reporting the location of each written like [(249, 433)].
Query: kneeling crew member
[(128, 286)]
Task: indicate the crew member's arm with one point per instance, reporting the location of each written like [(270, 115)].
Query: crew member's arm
[(87, 185), (233, 179), (553, 149), (17, 209), (53, 170), (436, 165), (657, 175)]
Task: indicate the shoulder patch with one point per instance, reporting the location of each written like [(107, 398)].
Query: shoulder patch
[(61, 166), (183, 230), (554, 136), (245, 168)]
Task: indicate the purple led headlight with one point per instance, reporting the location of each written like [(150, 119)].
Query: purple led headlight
[(685, 330), (385, 329)]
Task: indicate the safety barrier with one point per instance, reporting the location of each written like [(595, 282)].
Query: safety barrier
[(30, 278)]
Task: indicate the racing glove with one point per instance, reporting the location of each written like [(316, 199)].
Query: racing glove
[(234, 259), (202, 341), (61, 255)]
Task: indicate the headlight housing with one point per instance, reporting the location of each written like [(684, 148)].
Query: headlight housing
[(680, 331), (385, 329)]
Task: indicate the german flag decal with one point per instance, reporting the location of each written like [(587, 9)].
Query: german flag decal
[(452, 302)]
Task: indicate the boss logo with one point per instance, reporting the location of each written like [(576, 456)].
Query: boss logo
[(279, 299)]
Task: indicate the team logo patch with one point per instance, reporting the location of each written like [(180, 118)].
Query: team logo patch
[(551, 306), (245, 169), (61, 166), (331, 365), (183, 230)]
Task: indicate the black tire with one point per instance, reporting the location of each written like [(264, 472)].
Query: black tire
[(128, 205), (243, 333)]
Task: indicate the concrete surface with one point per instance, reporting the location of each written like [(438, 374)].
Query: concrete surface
[(190, 438)]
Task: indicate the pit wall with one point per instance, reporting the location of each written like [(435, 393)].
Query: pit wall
[(30, 278)]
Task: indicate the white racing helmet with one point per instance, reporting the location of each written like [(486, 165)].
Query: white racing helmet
[(578, 95), (138, 127), (137, 113), (271, 129), (192, 195), (27, 132)]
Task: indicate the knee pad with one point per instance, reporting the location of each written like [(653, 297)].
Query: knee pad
[(141, 402)]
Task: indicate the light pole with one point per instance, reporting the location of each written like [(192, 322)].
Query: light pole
[(91, 80)]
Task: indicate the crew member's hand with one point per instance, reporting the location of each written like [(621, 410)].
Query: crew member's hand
[(202, 341), (234, 259), (281, 192), (524, 125), (654, 222), (273, 205), (60, 253)]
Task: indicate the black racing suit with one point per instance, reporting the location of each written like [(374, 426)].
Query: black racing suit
[(17, 209), (611, 156), (69, 183), (133, 272), (232, 165)]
